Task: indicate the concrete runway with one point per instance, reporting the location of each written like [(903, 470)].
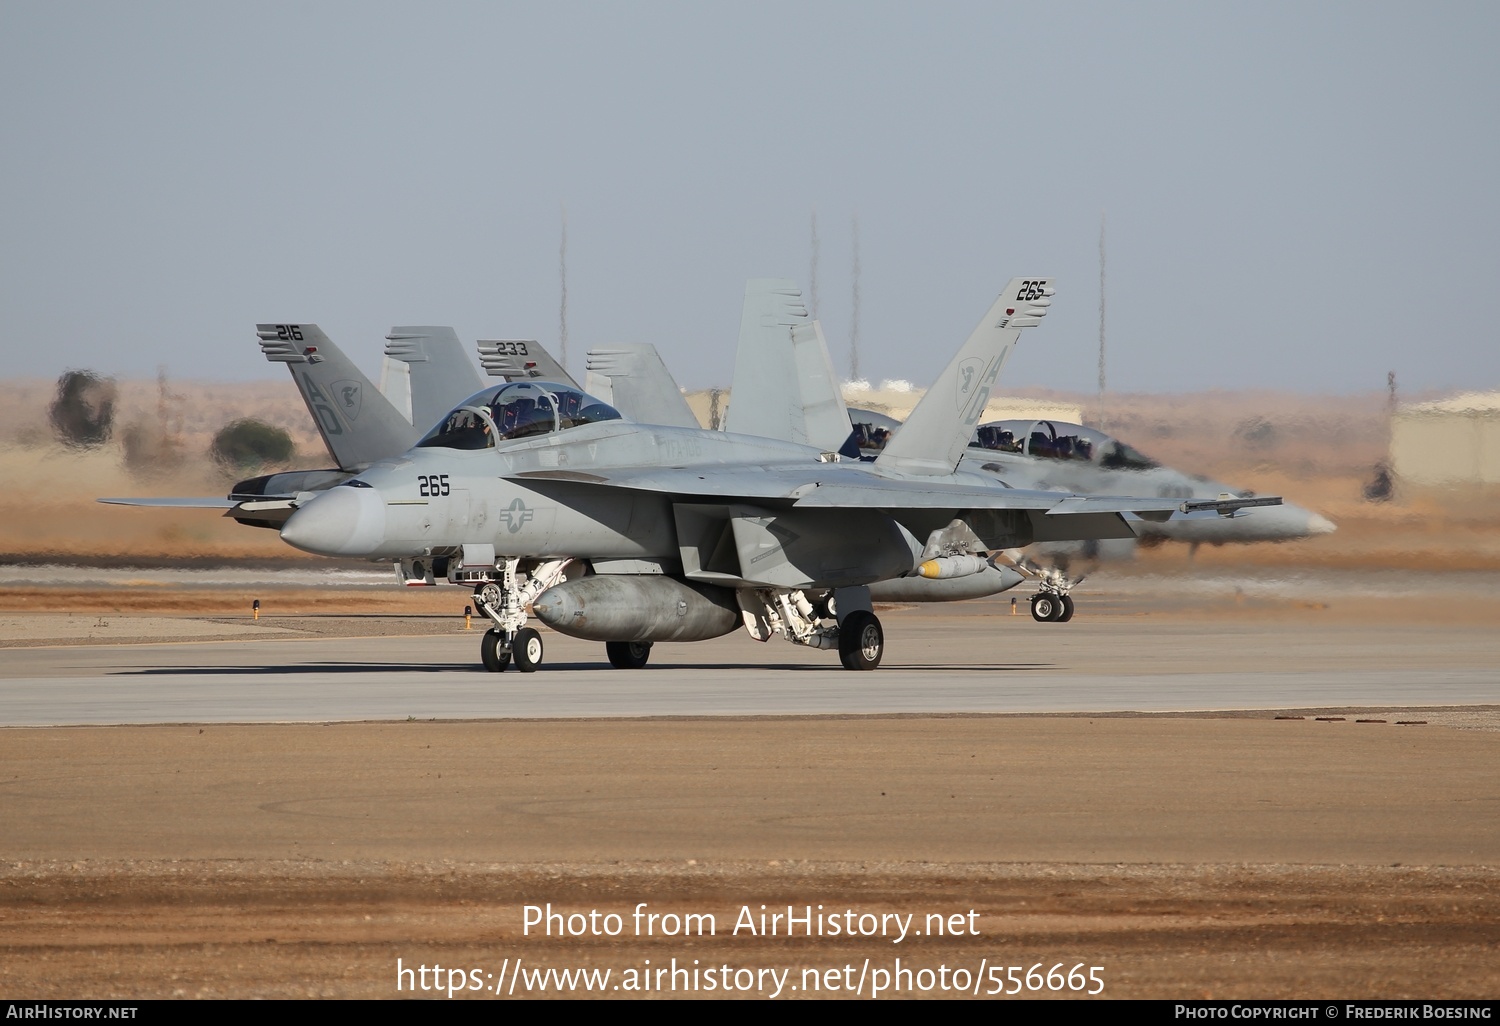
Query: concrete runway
[(965, 658)]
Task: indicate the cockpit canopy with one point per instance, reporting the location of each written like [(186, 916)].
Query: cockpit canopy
[(1044, 439), (517, 409), (871, 429)]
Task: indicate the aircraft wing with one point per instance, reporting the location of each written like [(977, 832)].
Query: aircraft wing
[(837, 486), (185, 503), (263, 511)]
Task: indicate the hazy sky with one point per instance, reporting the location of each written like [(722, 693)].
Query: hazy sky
[(1299, 195)]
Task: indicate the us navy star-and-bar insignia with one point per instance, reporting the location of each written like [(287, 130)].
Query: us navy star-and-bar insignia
[(516, 514)]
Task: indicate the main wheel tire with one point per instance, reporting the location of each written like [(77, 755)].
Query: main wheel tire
[(628, 655), (527, 648), (1067, 609), (1044, 607), (861, 641), (494, 657)]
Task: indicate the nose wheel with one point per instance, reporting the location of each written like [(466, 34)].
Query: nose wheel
[(493, 651), (527, 649)]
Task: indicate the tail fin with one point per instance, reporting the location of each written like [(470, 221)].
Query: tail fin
[(641, 387), (935, 435), (784, 386), (521, 359), (441, 375), (358, 424)]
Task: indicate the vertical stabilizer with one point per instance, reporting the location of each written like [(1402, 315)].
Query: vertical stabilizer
[(439, 371), (640, 386), (784, 386), (358, 424), (395, 385), (934, 437), (517, 359)]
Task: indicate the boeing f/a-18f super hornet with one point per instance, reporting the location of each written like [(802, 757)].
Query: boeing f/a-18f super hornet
[(1056, 456), (690, 534)]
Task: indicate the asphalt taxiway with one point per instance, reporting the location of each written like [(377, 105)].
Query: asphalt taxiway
[(962, 658)]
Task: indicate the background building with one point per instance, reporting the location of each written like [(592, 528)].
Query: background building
[(1448, 441)]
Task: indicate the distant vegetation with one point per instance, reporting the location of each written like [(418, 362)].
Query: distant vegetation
[(250, 444), (148, 450), (83, 413)]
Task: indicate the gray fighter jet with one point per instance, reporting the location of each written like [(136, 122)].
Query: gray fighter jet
[(1055, 456), (784, 388), (690, 534)]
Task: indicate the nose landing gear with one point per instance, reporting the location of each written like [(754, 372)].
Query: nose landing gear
[(504, 601)]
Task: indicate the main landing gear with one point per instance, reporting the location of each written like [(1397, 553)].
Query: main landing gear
[(504, 601), (1050, 607), (861, 641), (858, 635), (1051, 603), (627, 655)]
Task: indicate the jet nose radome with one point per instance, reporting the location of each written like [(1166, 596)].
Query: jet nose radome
[(1289, 522), (1320, 524), (343, 521)]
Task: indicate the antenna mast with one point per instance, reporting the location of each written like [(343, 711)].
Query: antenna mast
[(1101, 321), (562, 304), (854, 319), (812, 277)]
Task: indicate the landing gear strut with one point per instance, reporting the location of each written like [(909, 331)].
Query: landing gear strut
[(504, 601), (858, 635)]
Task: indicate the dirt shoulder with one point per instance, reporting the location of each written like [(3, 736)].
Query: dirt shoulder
[(341, 929), (1188, 857)]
